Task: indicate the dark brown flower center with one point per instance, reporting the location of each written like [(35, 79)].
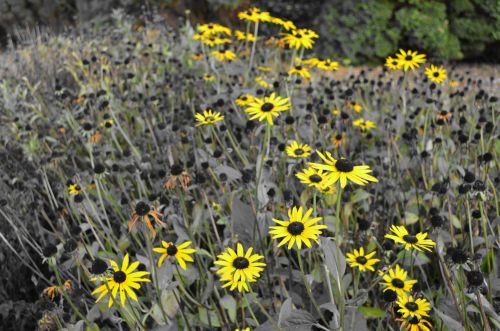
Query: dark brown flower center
[(411, 306), (295, 228), (408, 58), (315, 178), (298, 35), (119, 276), (299, 151), (298, 67), (241, 262), (267, 107), (436, 74), (396, 282), (344, 165), (209, 118), (142, 208), (361, 260), (411, 239), (171, 250)]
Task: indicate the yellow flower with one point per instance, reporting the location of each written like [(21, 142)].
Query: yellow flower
[(314, 178), (124, 281), (240, 35), (327, 65), (244, 100), (254, 15), (239, 267), (436, 74), (210, 40), (418, 241), (181, 252), (287, 25), (74, 189), (414, 324), (259, 80), (360, 260), (338, 140), (343, 170), (363, 124), (297, 150), (453, 83), (223, 55), (410, 59), (214, 28), (267, 108), (357, 107), (411, 307), (107, 123), (300, 38), (208, 77), (208, 117), (197, 56), (396, 280), (298, 229), (264, 68), (392, 63), (299, 70)]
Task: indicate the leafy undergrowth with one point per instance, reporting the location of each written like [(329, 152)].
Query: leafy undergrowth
[(213, 179)]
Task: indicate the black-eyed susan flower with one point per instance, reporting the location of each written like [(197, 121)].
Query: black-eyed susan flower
[(418, 241), (124, 281), (396, 279), (318, 179), (392, 63), (239, 267), (240, 35), (312, 61), (414, 324), (146, 213), (262, 82), (413, 307), (197, 56), (55, 291), (328, 65), (208, 117), (297, 150), (436, 74), (208, 77), (410, 59), (287, 25), (299, 70), (343, 170), (211, 40), (254, 15), (338, 140), (364, 124), (177, 176), (267, 108), (244, 100), (214, 28), (299, 38), (181, 252), (108, 123), (74, 189), (223, 55), (299, 228), (358, 259), (357, 107)]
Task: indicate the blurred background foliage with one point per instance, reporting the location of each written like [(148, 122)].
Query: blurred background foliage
[(364, 31)]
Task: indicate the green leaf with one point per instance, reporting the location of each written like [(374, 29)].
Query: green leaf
[(372, 312)]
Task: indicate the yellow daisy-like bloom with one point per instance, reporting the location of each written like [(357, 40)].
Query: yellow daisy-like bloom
[(287, 25), (298, 229), (363, 124), (240, 35), (436, 74), (214, 28), (297, 150), (414, 324), (343, 170), (197, 56), (259, 80), (392, 63), (107, 123), (314, 178), (244, 100), (299, 70), (328, 65), (396, 280), (210, 40), (338, 140), (239, 267), (411, 307), (255, 15), (223, 55), (300, 38), (418, 241), (312, 61), (208, 117), (410, 59), (357, 107), (74, 189), (180, 253), (208, 77), (360, 260), (267, 108), (124, 280)]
